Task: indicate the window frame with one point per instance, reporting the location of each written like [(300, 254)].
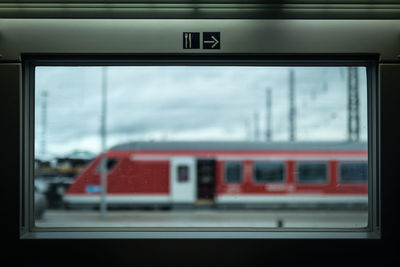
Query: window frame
[(282, 163), (29, 62)]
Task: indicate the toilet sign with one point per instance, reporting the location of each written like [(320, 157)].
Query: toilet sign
[(211, 40)]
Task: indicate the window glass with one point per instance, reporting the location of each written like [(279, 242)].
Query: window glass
[(183, 174), (232, 138), (110, 164), (233, 172), (353, 172), (312, 172), (268, 172)]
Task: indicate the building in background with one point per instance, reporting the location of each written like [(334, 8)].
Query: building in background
[(53, 175)]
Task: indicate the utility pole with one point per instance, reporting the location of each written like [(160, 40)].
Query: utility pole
[(103, 132), (256, 126), (247, 128), (268, 131), (292, 106), (353, 120), (44, 122)]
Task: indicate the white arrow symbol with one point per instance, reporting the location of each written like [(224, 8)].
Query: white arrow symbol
[(215, 42)]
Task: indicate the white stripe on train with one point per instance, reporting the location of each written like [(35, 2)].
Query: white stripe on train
[(224, 199), (295, 199), (257, 157), (116, 199)]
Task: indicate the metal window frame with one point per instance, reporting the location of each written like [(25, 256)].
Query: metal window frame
[(27, 226)]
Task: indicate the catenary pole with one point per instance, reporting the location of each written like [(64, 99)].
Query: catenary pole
[(103, 202), (268, 131), (292, 106)]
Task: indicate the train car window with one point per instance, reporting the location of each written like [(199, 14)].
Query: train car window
[(312, 172), (353, 172), (233, 172), (110, 165), (183, 174), (269, 172)]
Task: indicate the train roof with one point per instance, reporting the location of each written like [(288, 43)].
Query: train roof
[(233, 145)]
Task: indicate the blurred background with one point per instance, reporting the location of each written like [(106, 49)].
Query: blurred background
[(82, 111)]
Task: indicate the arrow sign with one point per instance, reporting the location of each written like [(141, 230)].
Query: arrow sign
[(211, 40), (214, 42)]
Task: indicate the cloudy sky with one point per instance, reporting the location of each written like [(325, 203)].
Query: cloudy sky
[(188, 103)]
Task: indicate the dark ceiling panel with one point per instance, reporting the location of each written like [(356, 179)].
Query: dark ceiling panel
[(202, 9)]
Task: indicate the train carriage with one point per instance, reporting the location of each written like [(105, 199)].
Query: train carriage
[(227, 174)]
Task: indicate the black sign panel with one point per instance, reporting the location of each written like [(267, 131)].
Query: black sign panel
[(191, 40), (211, 40)]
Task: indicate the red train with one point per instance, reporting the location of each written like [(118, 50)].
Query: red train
[(252, 174)]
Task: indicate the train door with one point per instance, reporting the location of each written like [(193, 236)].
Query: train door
[(183, 180), (205, 180)]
